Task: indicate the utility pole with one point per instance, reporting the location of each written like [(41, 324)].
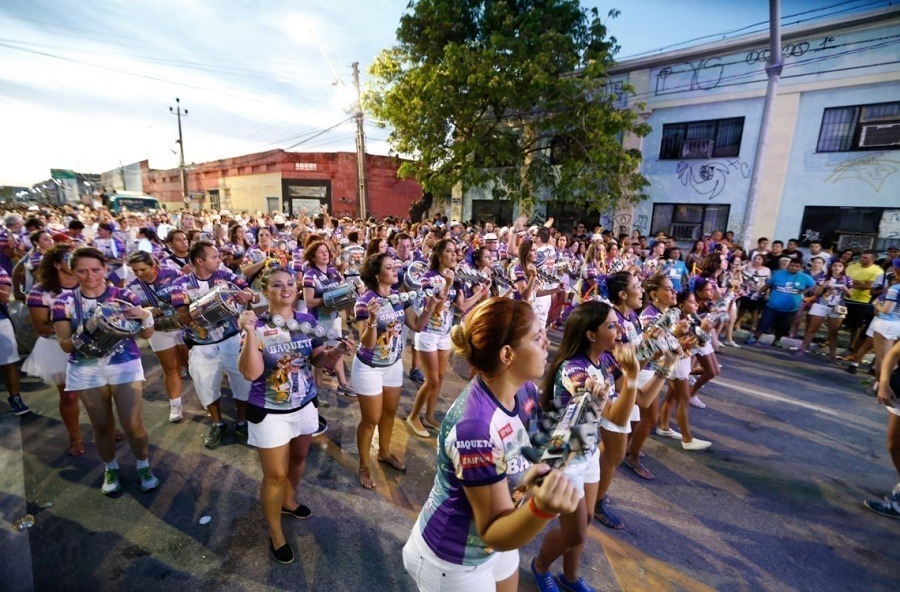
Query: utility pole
[(177, 111), (360, 147), (773, 69)]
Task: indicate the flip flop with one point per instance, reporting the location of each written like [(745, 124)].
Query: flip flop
[(393, 462), (640, 470), (365, 475)]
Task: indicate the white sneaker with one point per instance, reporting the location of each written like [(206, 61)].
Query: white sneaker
[(175, 413), (148, 480), (696, 444), (696, 402), (732, 344), (669, 433), (111, 483)]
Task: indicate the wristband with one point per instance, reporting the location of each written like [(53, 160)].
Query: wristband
[(148, 322), (663, 372), (538, 512), (630, 384)]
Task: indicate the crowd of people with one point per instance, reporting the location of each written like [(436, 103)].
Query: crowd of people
[(263, 299)]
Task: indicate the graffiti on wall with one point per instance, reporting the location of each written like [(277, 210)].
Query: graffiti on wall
[(873, 169), (890, 224), (735, 69), (810, 235), (710, 178)]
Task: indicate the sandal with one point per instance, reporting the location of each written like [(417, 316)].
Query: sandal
[(640, 470), (76, 447), (365, 479), (428, 424), (605, 516), (394, 462)]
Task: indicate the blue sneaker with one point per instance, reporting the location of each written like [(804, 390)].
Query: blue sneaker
[(605, 515), (18, 405), (750, 340), (577, 586), (416, 375), (545, 581)]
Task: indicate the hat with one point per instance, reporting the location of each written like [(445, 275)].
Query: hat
[(490, 236), (223, 213), (455, 223), (893, 248), (278, 219), (597, 237), (504, 230)]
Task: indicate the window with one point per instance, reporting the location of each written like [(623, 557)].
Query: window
[(304, 166), (702, 139), (863, 127), (688, 222)]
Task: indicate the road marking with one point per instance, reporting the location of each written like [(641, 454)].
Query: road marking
[(734, 385)]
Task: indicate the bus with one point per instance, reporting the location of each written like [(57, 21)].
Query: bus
[(133, 201)]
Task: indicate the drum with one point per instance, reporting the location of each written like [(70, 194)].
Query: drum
[(102, 334), (215, 307), (344, 296), (167, 320)]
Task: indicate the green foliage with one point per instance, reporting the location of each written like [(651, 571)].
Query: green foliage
[(477, 92)]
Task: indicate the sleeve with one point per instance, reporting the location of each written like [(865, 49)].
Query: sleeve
[(179, 295), (120, 247), (5, 280), (362, 308), (61, 308), (309, 279), (476, 457), (237, 280), (36, 298), (5, 240), (129, 296), (518, 273)]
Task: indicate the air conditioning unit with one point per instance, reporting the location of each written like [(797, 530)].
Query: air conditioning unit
[(857, 242), (697, 148), (879, 135)]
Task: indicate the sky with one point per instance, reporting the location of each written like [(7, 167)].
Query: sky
[(87, 86)]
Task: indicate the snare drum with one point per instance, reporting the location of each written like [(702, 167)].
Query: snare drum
[(103, 333), (339, 298), (167, 320), (215, 307)]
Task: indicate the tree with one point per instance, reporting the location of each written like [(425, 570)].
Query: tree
[(512, 93)]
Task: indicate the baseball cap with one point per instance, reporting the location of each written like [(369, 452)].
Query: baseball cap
[(490, 236)]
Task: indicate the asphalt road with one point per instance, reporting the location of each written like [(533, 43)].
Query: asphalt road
[(775, 504)]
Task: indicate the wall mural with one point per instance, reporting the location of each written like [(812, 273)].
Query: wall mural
[(709, 179), (873, 168)]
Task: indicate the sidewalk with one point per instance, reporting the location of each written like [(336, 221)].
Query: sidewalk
[(15, 550)]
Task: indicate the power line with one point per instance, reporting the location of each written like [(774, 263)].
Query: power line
[(725, 34)]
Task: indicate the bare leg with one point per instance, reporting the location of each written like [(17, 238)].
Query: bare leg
[(682, 396), (710, 370), (434, 395), (98, 404), (893, 440), (70, 412), (274, 463), (370, 408), (812, 326), (614, 445), (391, 399), (168, 359), (649, 420), (431, 370), (833, 326), (298, 450), (129, 403)]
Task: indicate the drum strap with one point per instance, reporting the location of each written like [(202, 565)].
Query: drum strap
[(78, 309), (152, 296)]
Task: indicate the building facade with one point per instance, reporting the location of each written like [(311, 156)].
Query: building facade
[(276, 180), (831, 166)]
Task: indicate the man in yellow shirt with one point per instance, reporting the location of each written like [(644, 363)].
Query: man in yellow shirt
[(860, 311)]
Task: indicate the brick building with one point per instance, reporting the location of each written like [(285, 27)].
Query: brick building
[(280, 181)]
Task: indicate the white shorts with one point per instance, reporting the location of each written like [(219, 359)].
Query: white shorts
[(163, 340), (102, 373), (587, 471), (369, 381), (433, 574), (429, 342), (609, 426), (888, 329), (47, 361), (9, 349), (277, 429), (821, 310), (329, 326), (705, 350), (206, 364), (682, 369)]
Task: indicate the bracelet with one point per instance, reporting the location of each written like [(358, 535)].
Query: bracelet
[(663, 372), (538, 512), (372, 325), (148, 322), (630, 384)]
